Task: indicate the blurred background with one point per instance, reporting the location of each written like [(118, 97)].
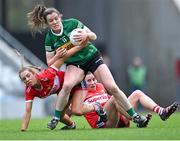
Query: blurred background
[(126, 29)]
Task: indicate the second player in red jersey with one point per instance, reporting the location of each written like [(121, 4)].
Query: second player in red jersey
[(115, 118)]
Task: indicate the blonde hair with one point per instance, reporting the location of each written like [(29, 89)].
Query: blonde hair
[(37, 18), (33, 69)]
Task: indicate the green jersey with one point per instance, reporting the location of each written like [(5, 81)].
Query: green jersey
[(54, 41)]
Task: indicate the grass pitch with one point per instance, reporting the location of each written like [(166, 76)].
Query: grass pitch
[(157, 130)]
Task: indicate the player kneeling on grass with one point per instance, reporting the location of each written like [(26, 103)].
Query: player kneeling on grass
[(97, 93)]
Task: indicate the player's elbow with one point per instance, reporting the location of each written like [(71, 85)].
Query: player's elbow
[(94, 37)]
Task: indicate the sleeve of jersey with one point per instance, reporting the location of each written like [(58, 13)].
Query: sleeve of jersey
[(48, 43), (29, 97), (78, 23)]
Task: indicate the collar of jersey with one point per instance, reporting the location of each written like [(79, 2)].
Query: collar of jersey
[(60, 32)]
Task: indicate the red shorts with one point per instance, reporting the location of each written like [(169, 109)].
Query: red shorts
[(92, 119)]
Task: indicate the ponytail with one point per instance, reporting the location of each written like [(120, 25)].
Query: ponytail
[(36, 19)]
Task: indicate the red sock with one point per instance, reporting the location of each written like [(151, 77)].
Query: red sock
[(158, 109)]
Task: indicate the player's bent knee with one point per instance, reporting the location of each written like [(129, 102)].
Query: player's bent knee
[(138, 93)]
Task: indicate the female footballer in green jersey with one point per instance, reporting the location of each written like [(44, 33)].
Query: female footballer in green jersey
[(88, 59)]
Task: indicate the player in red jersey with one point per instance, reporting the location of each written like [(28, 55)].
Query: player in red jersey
[(97, 93), (43, 83)]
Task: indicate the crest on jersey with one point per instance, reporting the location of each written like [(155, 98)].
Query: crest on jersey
[(44, 79)]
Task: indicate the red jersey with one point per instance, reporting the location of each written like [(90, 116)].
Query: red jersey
[(51, 81), (100, 96)]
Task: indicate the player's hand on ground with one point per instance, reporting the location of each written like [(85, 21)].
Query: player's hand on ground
[(23, 130)]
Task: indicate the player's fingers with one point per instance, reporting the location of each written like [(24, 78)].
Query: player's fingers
[(83, 43), (60, 49), (61, 52), (23, 130), (77, 38)]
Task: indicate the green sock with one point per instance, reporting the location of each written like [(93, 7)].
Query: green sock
[(131, 112), (57, 114)]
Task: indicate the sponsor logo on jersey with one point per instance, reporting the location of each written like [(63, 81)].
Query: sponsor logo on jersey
[(67, 45), (44, 79), (98, 98)]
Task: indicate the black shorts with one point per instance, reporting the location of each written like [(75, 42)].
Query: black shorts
[(92, 64)]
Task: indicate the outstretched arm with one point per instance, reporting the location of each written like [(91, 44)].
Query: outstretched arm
[(27, 116)]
